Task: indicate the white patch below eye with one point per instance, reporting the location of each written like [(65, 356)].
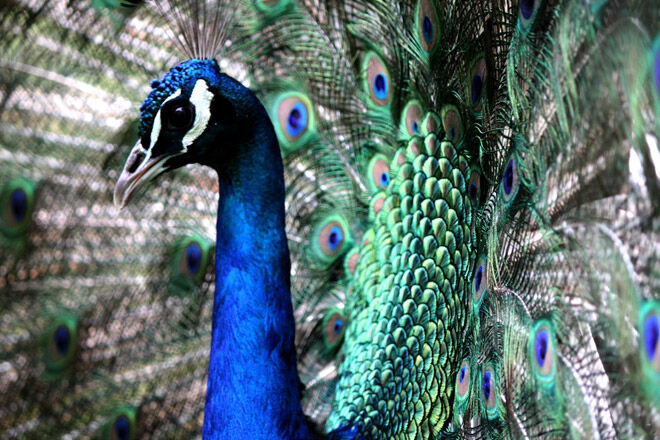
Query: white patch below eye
[(201, 98)]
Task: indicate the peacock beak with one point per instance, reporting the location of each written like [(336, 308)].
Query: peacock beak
[(139, 170)]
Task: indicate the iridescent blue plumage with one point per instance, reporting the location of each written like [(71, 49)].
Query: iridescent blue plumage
[(252, 344), (179, 76), (468, 191)]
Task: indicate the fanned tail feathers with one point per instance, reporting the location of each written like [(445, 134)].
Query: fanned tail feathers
[(472, 204)]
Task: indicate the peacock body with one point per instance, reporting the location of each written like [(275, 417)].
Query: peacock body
[(469, 191)]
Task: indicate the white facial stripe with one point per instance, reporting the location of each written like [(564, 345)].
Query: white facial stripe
[(155, 130), (201, 98)]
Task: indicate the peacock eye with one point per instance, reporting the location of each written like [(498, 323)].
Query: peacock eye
[(479, 279), (377, 80), (541, 347), (379, 171), (335, 238), (427, 25), (122, 428), (331, 239), (16, 206), (477, 88), (193, 258), (487, 384), (61, 340), (527, 8), (650, 338), (527, 13), (474, 187), (489, 390), (384, 179), (333, 328), (510, 180), (410, 119), (463, 381), (179, 115), (61, 344), (427, 29), (294, 119), (297, 120), (380, 86), (542, 351), (648, 327), (477, 84), (651, 332), (479, 283), (451, 122), (337, 325)]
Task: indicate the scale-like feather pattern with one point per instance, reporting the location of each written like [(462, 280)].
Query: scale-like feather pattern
[(473, 191)]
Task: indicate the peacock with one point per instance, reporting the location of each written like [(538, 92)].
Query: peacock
[(414, 219)]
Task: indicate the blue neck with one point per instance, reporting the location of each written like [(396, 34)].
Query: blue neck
[(253, 387)]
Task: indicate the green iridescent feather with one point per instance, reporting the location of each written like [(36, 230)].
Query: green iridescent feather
[(472, 213)]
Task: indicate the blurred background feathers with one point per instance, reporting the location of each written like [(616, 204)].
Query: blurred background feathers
[(472, 207)]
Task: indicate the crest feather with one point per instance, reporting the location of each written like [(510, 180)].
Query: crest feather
[(199, 28)]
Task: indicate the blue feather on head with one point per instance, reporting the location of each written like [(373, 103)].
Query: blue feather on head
[(178, 77)]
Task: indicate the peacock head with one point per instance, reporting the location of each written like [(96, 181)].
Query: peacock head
[(187, 111)]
